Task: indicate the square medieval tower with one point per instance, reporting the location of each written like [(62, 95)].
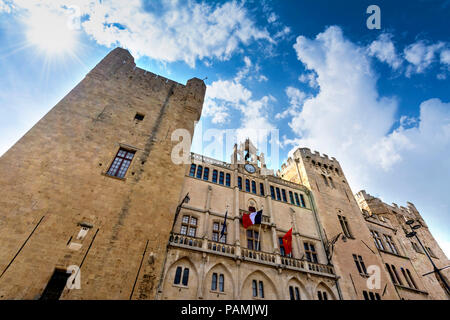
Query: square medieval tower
[(92, 189)]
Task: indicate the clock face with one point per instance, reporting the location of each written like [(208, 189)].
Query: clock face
[(250, 168)]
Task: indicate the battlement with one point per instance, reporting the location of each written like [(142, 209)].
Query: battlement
[(315, 158), (119, 63)]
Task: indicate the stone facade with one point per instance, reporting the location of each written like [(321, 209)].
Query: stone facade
[(55, 185), (215, 188), (408, 253), (91, 189)]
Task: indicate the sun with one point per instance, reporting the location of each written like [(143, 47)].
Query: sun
[(51, 33)]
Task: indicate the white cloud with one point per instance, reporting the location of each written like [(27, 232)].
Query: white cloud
[(348, 119), (168, 31), (309, 78), (272, 18), (383, 48), (445, 57), (420, 55), (296, 99)]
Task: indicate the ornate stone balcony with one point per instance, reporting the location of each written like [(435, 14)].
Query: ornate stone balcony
[(255, 256)]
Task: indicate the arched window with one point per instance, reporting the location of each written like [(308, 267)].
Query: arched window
[(221, 177), (192, 171), (254, 187), (206, 174), (261, 189), (228, 180), (214, 177), (199, 172), (247, 185), (240, 183)]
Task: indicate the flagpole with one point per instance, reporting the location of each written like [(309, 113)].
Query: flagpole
[(259, 232)]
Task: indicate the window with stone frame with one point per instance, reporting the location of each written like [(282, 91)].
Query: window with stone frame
[(310, 252), (294, 293), (253, 241), (181, 275), (378, 241), (121, 163), (391, 244), (345, 227), (359, 262), (282, 250), (189, 226), (217, 229), (218, 282), (322, 295)]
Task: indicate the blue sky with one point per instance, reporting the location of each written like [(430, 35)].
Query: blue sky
[(377, 100)]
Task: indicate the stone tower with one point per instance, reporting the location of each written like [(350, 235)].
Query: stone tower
[(91, 188), (342, 222)]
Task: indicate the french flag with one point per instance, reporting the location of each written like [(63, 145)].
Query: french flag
[(249, 219)]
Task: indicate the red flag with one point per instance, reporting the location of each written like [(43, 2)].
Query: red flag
[(287, 242)]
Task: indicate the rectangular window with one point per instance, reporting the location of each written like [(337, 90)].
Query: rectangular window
[(282, 250), (214, 177), (206, 174), (217, 229), (253, 241), (291, 197), (272, 192), (199, 172), (378, 242), (360, 264), (296, 199), (254, 187), (302, 198), (221, 283), (121, 163), (240, 183), (192, 171), (344, 226), (391, 244), (278, 194), (310, 252), (247, 185), (228, 180), (188, 226), (261, 189), (214, 282), (221, 177), (185, 276), (283, 192)]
